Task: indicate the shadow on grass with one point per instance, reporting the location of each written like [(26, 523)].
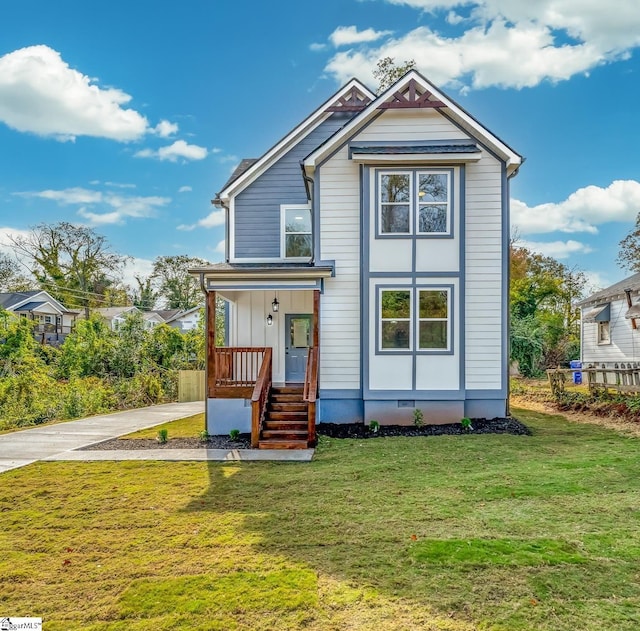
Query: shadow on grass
[(473, 530)]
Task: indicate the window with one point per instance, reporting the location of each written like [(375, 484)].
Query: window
[(420, 198), (433, 319), (604, 334), (395, 329), (296, 232), (395, 203)]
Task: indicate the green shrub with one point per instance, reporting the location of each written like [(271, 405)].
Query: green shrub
[(163, 435)]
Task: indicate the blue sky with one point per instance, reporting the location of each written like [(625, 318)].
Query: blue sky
[(130, 116)]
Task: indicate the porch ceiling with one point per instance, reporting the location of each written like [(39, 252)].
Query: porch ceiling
[(263, 274)]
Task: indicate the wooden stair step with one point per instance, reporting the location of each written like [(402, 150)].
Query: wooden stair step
[(287, 406), (287, 416), (270, 425), (289, 434), (288, 389), (283, 444), (286, 398)]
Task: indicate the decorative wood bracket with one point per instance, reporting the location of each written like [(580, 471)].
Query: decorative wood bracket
[(354, 101), (411, 97)]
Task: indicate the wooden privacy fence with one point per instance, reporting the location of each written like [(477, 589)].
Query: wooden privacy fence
[(622, 378), (190, 385)]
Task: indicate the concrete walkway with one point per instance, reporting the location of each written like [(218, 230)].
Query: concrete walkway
[(59, 441)]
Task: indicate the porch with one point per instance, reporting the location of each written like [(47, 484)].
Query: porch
[(278, 380)]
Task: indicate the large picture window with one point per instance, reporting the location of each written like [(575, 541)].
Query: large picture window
[(428, 307), (296, 232), (414, 201)]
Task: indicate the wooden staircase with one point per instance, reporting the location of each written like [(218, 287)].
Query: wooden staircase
[(286, 420)]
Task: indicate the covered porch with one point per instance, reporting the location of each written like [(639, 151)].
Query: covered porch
[(265, 379)]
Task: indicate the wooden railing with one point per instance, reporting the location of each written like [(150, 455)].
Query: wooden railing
[(622, 378), (310, 393), (233, 372), (260, 397)]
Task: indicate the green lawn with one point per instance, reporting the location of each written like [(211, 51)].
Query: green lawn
[(189, 427), (451, 533)]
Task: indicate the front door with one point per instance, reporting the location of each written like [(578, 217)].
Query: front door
[(298, 339)]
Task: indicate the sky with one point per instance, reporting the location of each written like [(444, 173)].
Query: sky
[(129, 117)]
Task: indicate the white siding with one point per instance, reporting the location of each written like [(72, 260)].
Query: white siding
[(340, 302), (411, 124), (483, 263), (248, 320), (625, 342)]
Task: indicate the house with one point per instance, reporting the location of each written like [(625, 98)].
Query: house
[(609, 324), (366, 270), (183, 320), (53, 320), (116, 316)]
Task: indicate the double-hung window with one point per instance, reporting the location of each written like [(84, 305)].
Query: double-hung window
[(604, 332), (296, 232), (428, 307), (414, 201)]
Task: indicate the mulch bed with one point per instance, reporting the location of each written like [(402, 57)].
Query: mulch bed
[(332, 430)]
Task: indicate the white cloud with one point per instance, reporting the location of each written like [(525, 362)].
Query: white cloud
[(179, 149), (346, 35), (212, 220), (595, 282), (119, 207), (185, 189), (165, 128), (508, 43), (317, 47), (220, 248), (41, 94), (136, 267), (556, 249), (582, 211), (6, 234)]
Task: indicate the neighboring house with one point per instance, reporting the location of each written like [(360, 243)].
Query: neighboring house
[(53, 319), (181, 320), (116, 316), (367, 261), (609, 321)]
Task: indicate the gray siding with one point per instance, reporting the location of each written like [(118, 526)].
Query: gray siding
[(257, 208)]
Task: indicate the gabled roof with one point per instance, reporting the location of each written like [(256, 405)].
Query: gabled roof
[(248, 170), (113, 312), (12, 301), (617, 290), (181, 314), (415, 91)]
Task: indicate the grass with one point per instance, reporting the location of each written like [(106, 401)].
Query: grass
[(455, 533), (189, 427)]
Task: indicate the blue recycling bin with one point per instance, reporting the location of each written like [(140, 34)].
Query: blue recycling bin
[(577, 375)]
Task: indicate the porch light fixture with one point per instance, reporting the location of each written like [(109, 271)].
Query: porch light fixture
[(269, 320), (275, 305)]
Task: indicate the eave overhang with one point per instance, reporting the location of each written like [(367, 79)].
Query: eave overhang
[(237, 272), (403, 152)]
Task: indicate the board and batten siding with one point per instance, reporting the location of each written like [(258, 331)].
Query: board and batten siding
[(484, 250), (625, 342), (339, 203), (257, 208)]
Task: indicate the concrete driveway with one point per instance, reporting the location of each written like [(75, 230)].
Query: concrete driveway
[(21, 448)]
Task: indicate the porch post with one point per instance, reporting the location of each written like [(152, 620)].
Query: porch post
[(211, 341), (316, 318)]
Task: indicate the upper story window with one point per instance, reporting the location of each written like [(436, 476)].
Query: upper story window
[(296, 232), (604, 332), (415, 201)]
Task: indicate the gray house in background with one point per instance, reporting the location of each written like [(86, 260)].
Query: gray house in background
[(610, 323)]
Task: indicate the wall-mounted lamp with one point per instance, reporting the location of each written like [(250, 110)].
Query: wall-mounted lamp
[(275, 305), (269, 320)]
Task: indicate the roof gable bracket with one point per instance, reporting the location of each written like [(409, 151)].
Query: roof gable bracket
[(411, 98)]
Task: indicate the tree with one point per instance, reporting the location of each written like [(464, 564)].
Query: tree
[(629, 256), (11, 278), (387, 73), (73, 263), (144, 296), (544, 320), (175, 286)]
